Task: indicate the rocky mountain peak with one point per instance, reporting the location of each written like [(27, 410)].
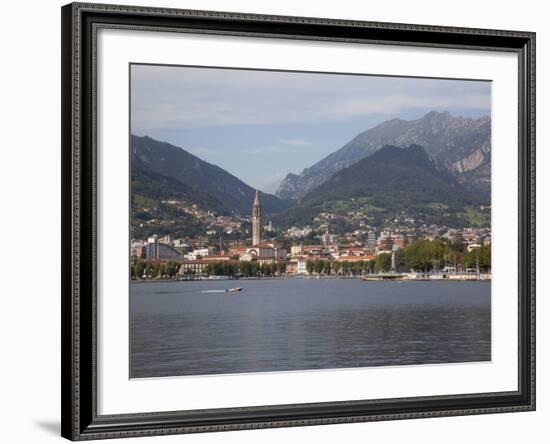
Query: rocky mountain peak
[(461, 144)]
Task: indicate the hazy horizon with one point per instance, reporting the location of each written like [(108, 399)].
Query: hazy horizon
[(261, 125)]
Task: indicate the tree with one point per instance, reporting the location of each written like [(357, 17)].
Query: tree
[(155, 270), (479, 256), (162, 270), (345, 268), (255, 267), (172, 268), (370, 265), (318, 267), (245, 268), (147, 271), (139, 268), (422, 254), (400, 264), (485, 257), (382, 262)]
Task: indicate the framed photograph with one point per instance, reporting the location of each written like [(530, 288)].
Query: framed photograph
[(278, 221)]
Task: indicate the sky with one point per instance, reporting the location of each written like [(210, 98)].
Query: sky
[(260, 125)]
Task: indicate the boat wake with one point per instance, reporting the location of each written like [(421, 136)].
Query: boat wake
[(227, 290)]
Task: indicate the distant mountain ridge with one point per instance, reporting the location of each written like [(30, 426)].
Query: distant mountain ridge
[(393, 180), (462, 144), (169, 161), (396, 172)]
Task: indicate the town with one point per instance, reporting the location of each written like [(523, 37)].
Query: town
[(403, 249)]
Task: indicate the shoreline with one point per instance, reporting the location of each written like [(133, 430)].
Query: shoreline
[(371, 278)]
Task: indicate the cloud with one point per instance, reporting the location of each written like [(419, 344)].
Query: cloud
[(296, 142), (181, 97)]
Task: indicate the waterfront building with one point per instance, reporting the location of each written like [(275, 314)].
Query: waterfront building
[(138, 251), (217, 258), (301, 266), (193, 266), (385, 241), (200, 253), (155, 250), (292, 267), (371, 239), (137, 248), (297, 266), (267, 261), (237, 250), (264, 251), (296, 250)]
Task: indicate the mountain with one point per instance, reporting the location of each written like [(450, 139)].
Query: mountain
[(173, 162), (462, 144), (160, 205), (152, 186), (393, 180)]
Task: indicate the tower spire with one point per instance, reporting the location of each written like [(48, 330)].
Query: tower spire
[(256, 220)]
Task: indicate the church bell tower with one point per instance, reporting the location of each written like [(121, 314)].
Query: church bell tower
[(256, 220)]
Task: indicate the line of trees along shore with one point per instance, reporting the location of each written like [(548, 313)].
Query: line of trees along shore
[(424, 255), (245, 269), (420, 255), (140, 268), (170, 269)]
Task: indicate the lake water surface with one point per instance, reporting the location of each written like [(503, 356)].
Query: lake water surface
[(185, 328)]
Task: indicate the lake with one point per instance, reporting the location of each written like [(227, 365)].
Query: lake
[(187, 328)]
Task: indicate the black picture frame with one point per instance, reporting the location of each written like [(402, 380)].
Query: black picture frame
[(80, 420)]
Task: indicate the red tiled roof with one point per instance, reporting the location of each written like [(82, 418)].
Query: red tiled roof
[(201, 261), (356, 258), (264, 245)]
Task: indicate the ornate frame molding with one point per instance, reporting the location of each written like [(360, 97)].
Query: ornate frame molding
[(80, 21)]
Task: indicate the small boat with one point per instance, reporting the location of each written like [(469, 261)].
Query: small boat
[(234, 289)]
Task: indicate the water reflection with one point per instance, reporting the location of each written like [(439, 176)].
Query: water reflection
[(292, 324)]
